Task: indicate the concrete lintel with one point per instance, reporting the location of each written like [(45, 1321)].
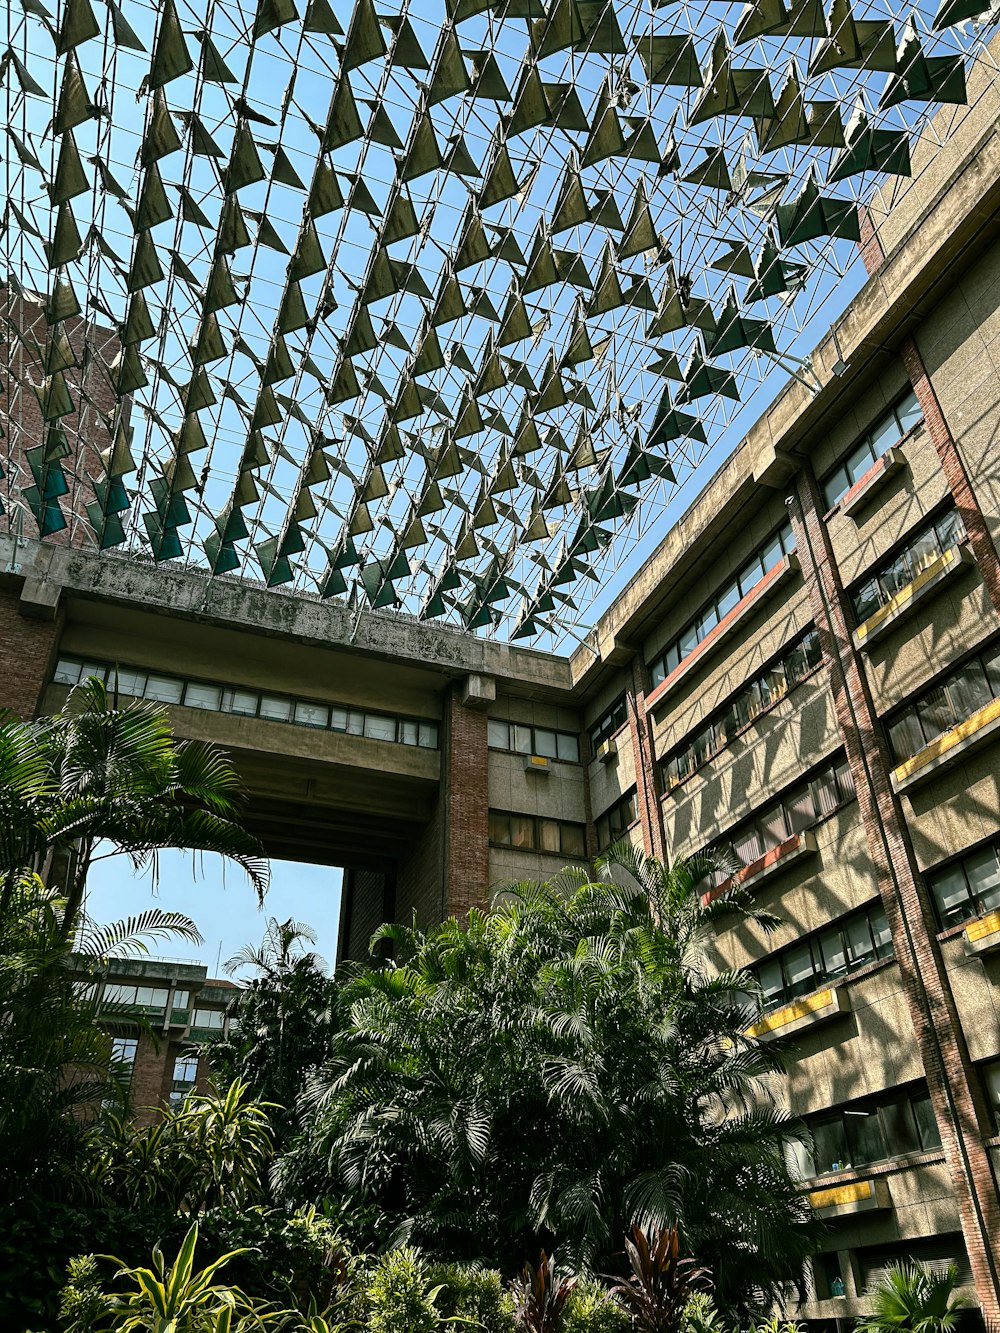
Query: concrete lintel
[(39, 599), (478, 692)]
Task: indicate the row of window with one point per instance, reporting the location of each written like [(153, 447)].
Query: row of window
[(801, 806), (614, 823), (534, 833), (251, 703), (767, 688), (524, 739), (811, 962), (931, 540), (960, 694), (873, 1130), (185, 1071), (153, 1000), (613, 720), (887, 431), (969, 887), (763, 560)]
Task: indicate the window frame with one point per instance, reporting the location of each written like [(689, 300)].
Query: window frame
[(567, 829), (910, 716), (870, 592), (628, 800), (609, 724), (872, 915), (534, 729), (891, 414)]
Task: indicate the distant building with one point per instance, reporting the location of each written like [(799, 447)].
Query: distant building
[(180, 1007)]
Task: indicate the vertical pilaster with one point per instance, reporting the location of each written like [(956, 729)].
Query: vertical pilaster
[(647, 788), (465, 789), (29, 639), (590, 828), (950, 1075)]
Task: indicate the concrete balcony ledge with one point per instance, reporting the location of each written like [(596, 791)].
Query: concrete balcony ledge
[(805, 1012), (859, 1196), (760, 593), (780, 858), (949, 748), (982, 935), (866, 488), (908, 599)]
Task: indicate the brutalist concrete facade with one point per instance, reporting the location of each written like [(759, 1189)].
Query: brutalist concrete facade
[(807, 671)]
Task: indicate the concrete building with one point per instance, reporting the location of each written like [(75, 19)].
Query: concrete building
[(807, 672), (177, 1007)]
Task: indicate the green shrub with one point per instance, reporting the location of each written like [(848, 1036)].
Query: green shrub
[(477, 1294), (400, 1296), (82, 1303), (591, 1309)]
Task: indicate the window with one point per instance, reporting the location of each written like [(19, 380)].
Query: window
[(137, 997), (969, 887), (888, 430), (123, 1050), (613, 720), (211, 1019), (875, 1129), (185, 1076), (771, 685), (923, 547), (950, 701), (825, 955), (279, 708), (991, 1085), (803, 805), (536, 833), (615, 822), (763, 561), (525, 739)]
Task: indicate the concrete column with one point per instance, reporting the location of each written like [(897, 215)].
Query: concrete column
[(951, 1079)]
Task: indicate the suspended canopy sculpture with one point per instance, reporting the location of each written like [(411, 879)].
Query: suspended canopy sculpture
[(428, 303)]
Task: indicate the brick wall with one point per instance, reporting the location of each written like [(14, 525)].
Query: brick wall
[(955, 1094), (466, 817), (369, 903), (27, 655), (420, 876), (647, 787)]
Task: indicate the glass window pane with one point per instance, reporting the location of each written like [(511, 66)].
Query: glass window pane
[(67, 673), (163, 690), (772, 553), (825, 795), (901, 572), (834, 952), (243, 702), (935, 712), (969, 689), (750, 575), (991, 1082), (380, 728), (355, 723), (568, 747), (951, 894), (860, 949), (311, 715), (522, 831), (845, 780), (499, 737), (572, 840), (520, 738), (950, 529), (908, 412), (429, 735), (688, 641), (707, 622), (859, 461), (181, 999), (899, 1128), (407, 733), (926, 1121), (748, 846), (548, 835), (983, 874), (672, 774), (657, 673), (884, 435), (274, 709), (672, 658), (499, 828), (799, 810), (830, 1145), (728, 598), (545, 743), (906, 736), (836, 485), (867, 600), (992, 659), (864, 1136), (799, 969), (97, 669), (923, 551), (772, 982), (881, 932), (127, 681), (203, 696)]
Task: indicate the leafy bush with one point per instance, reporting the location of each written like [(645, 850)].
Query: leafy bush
[(592, 1309), (400, 1296), (477, 1294)]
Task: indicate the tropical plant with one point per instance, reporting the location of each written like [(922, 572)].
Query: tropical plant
[(912, 1298), (661, 1283), (555, 1071), (400, 1298), (593, 1309), (281, 1022), (541, 1297), (477, 1295), (179, 1299), (99, 780), (55, 1052)]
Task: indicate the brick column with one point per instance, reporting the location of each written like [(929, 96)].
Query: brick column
[(590, 828), (647, 788), (872, 254), (958, 1104), (465, 792), (954, 470), (28, 648)]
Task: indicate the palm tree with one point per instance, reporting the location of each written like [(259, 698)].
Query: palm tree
[(914, 1299), (558, 1070), (99, 774)]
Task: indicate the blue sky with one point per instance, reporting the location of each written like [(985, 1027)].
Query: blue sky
[(220, 901)]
